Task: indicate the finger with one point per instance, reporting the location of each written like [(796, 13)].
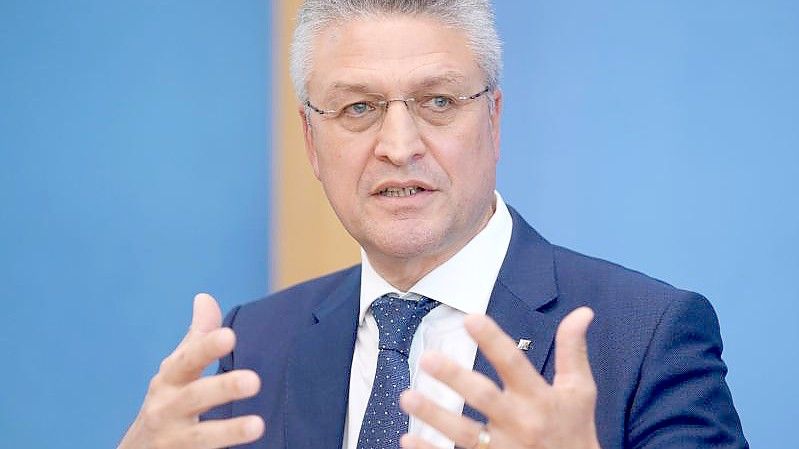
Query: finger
[(409, 441), (571, 349), (217, 433), (498, 439), (511, 364), (205, 317), (190, 358), (208, 392), (476, 389), (463, 431), (206, 314)]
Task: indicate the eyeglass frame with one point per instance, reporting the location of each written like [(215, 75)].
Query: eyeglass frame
[(384, 104)]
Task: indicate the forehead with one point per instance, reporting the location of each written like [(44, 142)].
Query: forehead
[(391, 54)]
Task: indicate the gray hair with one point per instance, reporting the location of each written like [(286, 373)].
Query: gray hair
[(474, 17)]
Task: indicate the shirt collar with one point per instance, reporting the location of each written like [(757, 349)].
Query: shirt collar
[(463, 282)]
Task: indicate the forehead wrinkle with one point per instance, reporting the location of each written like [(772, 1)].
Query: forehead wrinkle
[(447, 78), (436, 73), (425, 76)]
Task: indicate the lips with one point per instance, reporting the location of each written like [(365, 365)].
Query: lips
[(401, 189)]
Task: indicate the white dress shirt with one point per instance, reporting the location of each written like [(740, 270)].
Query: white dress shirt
[(462, 285)]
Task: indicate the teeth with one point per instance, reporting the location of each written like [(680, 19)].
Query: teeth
[(400, 191)]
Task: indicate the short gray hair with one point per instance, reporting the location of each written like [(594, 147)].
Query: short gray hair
[(474, 17)]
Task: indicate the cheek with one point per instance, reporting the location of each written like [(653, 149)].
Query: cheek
[(468, 160), (341, 165)]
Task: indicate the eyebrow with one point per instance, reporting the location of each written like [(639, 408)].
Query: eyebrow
[(342, 87)]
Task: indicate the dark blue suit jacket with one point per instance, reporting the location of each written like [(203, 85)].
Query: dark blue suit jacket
[(655, 350)]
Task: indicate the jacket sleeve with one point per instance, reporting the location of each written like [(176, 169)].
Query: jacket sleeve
[(682, 400), (225, 364)]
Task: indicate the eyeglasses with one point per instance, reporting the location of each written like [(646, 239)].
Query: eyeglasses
[(434, 109)]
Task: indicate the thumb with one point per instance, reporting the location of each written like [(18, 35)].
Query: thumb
[(571, 349), (206, 315)]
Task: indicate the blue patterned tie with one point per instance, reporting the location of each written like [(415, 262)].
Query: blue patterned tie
[(397, 319)]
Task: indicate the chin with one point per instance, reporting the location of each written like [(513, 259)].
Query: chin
[(404, 243)]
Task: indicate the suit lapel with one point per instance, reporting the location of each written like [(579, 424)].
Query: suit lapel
[(317, 383), (525, 285)]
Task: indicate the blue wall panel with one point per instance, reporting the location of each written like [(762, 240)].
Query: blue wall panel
[(133, 174), (664, 136)]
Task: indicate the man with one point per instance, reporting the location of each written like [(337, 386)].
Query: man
[(401, 112)]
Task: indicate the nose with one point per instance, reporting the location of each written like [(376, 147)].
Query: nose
[(399, 141)]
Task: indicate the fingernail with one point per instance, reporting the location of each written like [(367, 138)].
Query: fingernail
[(253, 426)]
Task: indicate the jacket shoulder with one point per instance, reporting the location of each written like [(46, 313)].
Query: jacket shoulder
[(631, 309), (296, 300), (606, 284), (655, 353)]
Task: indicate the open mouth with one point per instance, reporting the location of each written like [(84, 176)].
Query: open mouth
[(399, 192)]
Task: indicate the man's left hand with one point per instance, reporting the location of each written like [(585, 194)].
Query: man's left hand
[(528, 412)]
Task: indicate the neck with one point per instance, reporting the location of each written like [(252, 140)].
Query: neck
[(404, 273)]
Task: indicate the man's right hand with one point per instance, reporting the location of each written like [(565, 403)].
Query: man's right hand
[(169, 416)]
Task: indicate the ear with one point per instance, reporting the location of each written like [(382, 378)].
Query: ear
[(310, 147), (496, 115)]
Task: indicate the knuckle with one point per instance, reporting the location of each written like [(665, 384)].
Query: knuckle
[(513, 358), (195, 436), (152, 417), (530, 431), (210, 345), (465, 436), (154, 386), (530, 440), (578, 387), (158, 443), (163, 367), (241, 430), (570, 390), (485, 396), (185, 437), (192, 399), (167, 362), (181, 357), (590, 393), (215, 342), (231, 385)]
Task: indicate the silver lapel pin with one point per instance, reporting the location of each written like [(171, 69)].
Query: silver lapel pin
[(524, 344)]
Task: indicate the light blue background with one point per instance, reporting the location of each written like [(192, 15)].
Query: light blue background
[(134, 172), (664, 135)]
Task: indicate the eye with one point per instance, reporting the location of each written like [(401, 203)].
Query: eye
[(358, 109), (439, 102)]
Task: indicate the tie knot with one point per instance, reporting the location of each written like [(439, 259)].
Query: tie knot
[(397, 320)]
